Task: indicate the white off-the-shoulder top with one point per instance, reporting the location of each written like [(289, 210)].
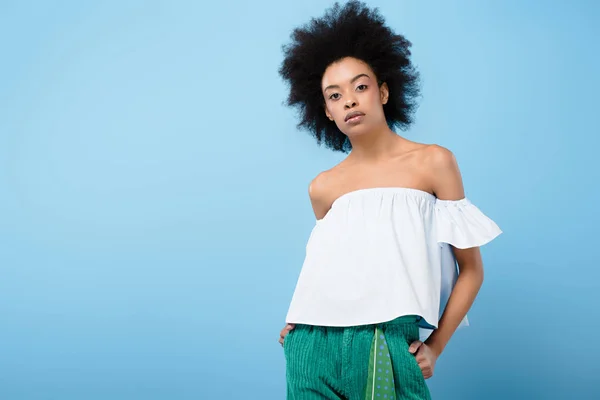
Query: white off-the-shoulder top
[(384, 252)]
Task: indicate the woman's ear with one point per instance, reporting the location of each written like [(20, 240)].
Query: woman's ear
[(384, 93)]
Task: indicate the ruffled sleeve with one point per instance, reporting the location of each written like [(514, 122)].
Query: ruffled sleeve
[(461, 224)]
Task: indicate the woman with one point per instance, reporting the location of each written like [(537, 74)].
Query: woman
[(379, 294)]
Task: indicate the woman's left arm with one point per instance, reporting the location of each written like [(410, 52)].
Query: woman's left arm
[(447, 184)]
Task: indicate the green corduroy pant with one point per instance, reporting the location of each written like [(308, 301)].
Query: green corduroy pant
[(354, 363)]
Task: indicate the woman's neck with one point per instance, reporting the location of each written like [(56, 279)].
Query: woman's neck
[(376, 146)]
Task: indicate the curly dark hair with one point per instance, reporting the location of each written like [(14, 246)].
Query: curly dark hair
[(355, 31)]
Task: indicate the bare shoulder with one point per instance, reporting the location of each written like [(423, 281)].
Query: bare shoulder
[(443, 171), (319, 192), (438, 157), (317, 186)]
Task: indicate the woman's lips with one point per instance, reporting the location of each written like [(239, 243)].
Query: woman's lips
[(355, 120)]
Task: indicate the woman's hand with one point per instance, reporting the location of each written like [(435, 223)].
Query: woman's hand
[(426, 357), (286, 329)]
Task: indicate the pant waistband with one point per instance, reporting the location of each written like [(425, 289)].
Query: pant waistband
[(403, 320)]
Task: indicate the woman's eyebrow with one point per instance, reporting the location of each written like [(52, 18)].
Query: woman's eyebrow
[(351, 81)]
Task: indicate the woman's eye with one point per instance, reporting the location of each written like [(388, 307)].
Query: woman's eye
[(334, 94), (362, 86)]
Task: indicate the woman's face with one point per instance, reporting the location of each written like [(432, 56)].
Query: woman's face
[(352, 97)]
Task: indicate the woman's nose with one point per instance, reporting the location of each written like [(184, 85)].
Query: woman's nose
[(350, 103)]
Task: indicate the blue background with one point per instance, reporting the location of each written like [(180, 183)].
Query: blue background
[(154, 208)]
